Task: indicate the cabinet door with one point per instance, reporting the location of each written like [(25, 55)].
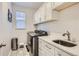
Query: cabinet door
[(48, 11), (42, 13), (49, 49), (45, 49), (41, 48), (59, 52), (37, 17), (41, 52)]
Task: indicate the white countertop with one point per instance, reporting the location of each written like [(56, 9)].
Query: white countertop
[(71, 50)]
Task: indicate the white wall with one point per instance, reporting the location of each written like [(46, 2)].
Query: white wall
[(8, 30), (5, 28), (69, 20), (22, 34)]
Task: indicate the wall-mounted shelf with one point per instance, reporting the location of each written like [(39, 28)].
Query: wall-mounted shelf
[(65, 5)]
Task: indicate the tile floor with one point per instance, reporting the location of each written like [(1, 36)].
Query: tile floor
[(19, 52)]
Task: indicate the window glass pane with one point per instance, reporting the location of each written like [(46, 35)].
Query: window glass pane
[(20, 20), (20, 15), (20, 24)]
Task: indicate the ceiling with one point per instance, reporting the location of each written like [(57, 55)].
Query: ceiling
[(33, 5)]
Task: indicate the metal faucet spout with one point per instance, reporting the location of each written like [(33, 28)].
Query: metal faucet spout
[(68, 35)]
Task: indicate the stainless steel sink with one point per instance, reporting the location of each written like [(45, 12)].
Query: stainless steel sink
[(64, 43)]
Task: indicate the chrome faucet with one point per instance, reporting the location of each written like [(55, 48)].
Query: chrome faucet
[(68, 35)]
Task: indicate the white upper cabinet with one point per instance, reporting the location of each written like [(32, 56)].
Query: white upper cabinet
[(45, 13), (48, 11), (40, 15), (42, 12), (37, 17)]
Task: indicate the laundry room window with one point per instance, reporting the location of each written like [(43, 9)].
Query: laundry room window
[(20, 20)]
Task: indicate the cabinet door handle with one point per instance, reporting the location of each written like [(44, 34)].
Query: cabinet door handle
[(47, 47)]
